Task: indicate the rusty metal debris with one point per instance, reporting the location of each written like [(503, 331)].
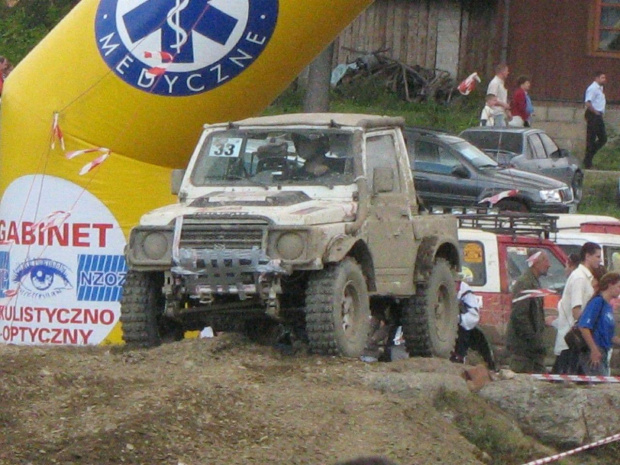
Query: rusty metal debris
[(412, 83)]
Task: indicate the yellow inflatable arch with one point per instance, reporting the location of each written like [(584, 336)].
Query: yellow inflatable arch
[(97, 115)]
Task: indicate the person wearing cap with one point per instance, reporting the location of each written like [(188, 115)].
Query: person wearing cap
[(469, 316), (525, 342)]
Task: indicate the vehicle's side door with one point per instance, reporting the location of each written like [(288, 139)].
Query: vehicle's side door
[(390, 228), (559, 166), (539, 163), (436, 181)]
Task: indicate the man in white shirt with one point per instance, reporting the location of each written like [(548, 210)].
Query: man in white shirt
[(577, 293), (497, 87), (596, 135)]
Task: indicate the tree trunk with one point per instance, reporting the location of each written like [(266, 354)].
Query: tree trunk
[(317, 92)]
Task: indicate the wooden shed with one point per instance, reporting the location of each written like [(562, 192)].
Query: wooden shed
[(459, 36)]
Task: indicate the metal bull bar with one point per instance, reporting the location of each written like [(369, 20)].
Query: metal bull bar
[(221, 270)]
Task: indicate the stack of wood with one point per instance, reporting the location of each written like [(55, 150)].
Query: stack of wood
[(412, 83)]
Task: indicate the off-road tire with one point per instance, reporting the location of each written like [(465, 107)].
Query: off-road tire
[(142, 307), (577, 187), (430, 317), (338, 310)]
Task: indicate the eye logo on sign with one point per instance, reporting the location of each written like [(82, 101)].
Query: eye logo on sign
[(182, 47)]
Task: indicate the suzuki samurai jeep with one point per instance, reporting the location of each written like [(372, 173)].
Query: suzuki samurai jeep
[(310, 220)]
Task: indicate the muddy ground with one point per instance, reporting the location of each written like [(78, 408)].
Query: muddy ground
[(220, 401)]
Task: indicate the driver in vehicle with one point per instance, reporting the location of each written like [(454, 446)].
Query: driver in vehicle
[(312, 148)]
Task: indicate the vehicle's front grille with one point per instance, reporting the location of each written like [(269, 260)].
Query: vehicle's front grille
[(207, 233)]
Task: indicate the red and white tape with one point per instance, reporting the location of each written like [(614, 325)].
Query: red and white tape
[(588, 379), (555, 458)]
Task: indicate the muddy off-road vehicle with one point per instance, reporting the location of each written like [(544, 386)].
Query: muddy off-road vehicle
[(310, 220)]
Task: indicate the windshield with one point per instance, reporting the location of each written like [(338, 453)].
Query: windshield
[(474, 155), (495, 140), (275, 157)]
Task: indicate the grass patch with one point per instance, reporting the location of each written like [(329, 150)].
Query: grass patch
[(497, 436), (600, 190)]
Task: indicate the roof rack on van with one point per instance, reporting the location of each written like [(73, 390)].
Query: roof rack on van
[(536, 224)]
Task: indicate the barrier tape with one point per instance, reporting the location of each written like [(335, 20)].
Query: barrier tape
[(589, 379), (557, 457)]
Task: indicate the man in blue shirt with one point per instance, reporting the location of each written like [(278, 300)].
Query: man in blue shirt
[(596, 135)]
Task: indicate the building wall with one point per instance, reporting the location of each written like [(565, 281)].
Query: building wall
[(548, 40), (454, 35)]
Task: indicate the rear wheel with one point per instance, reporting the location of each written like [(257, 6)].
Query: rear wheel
[(142, 308), (577, 186), (431, 316), (338, 310)]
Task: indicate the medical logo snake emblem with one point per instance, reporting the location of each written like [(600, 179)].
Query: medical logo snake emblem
[(182, 47)]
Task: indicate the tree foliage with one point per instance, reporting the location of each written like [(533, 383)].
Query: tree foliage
[(25, 24)]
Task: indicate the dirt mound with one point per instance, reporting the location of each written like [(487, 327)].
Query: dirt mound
[(219, 401)]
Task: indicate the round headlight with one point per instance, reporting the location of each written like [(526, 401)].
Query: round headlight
[(155, 245), (290, 246)]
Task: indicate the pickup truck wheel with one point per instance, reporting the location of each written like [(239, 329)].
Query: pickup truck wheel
[(577, 186), (431, 316), (337, 310), (142, 306)]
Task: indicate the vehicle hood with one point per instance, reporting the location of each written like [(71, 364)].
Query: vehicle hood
[(281, 207), (518, 179)]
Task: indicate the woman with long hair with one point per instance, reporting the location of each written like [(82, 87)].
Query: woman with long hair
[(598, 327)]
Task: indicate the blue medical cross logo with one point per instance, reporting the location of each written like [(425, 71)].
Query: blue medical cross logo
[(177, 19), (208, 44)]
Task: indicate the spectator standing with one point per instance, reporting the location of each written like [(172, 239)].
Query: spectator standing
[(468, 319), (521, 106), (577, 292), (486, 117), (525, 342), (596, 136), (497, 87), (598, 327)]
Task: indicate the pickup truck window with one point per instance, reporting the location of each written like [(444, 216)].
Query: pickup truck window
[(516, 262), (381, 153), (473, 262)]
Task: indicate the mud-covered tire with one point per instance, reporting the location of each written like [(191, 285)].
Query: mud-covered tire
[(338, 310), (430, 317), (142, 307)]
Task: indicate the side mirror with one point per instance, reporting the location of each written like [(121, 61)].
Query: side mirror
[(382, 180), (560, 153), (176, 178), (460, 171)]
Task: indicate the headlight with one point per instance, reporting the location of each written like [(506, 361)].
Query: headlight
[(290, 245), (150, 246), (154, 245), (551, 196)]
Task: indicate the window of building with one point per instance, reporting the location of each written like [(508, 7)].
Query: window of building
[(606, 27)]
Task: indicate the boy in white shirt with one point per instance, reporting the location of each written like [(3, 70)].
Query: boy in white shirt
[(486, 117)]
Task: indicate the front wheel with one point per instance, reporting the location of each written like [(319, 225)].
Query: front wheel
[(338, 310), (577, 186), (142, 307), (431, 316)]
